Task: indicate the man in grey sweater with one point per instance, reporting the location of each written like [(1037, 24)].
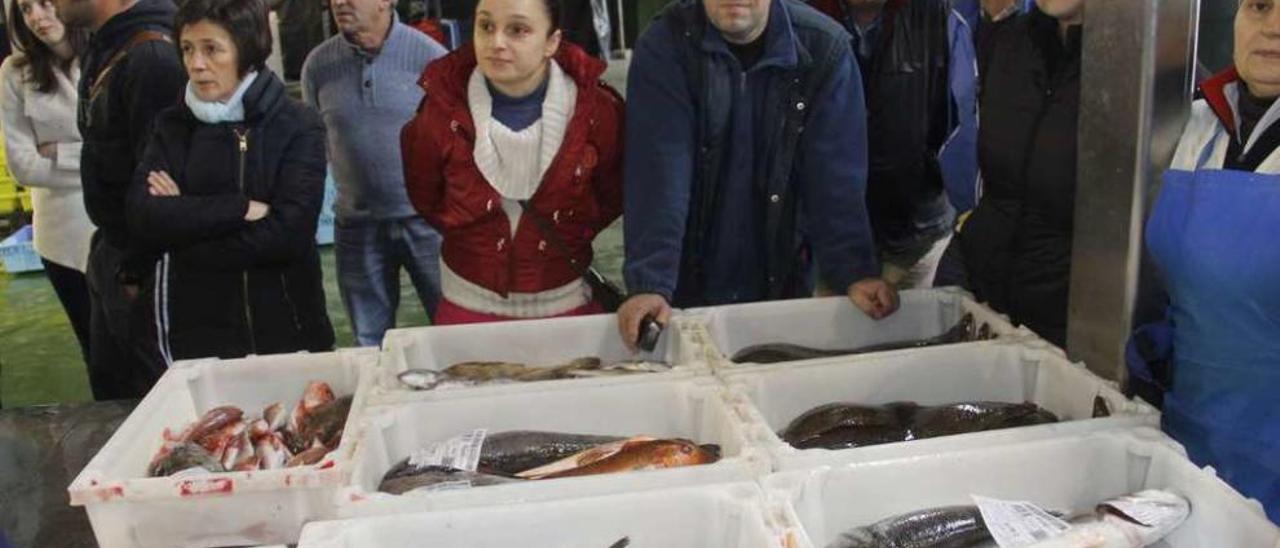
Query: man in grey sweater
[(363, 82)]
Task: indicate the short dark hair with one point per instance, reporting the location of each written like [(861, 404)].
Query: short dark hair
[(37, 58), (244, 20)]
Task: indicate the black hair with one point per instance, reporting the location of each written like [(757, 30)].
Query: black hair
[(38, 58), (244, 20), (554, 10)]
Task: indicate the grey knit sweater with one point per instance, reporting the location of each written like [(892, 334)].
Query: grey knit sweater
[(364, 101)]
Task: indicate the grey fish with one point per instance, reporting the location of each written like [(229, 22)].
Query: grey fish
[(184, 456), (947, 527), (405, 477), (965, 330), (623, 542), (509, 453), (847, 425), (469, 373), (846, 421)]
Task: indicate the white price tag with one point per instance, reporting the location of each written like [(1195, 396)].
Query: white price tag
[(461, 453), (443, 486), (1014, 524)]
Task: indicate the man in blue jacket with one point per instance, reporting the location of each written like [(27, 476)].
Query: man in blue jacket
[(746, 161)]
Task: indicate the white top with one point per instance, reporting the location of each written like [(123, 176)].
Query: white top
[(62, 228), (1203, 128)]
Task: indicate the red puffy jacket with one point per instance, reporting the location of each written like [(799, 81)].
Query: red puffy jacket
[(580, 195)]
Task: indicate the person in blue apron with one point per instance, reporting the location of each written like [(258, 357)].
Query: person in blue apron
[(1215, 235)]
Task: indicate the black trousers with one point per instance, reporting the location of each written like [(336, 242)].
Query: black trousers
[(72, 289), (124, 356)]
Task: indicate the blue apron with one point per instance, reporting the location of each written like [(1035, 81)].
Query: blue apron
[(1215, 234)]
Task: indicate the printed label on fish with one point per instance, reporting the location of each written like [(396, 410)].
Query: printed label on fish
[(442, 486), (1014, 524), (1148, 512), (461, 453)]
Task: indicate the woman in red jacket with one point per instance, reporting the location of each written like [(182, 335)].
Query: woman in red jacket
[(515, 157)]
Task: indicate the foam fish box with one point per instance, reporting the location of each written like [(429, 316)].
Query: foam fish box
[(834, 322), (129, 509), (720, 516), (1070, 474), (541, 343), (691, 408), (1015, 371)]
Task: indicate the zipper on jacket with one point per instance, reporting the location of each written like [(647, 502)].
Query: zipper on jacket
[(242, 141)]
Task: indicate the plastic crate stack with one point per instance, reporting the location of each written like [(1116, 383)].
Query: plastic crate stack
[(762, 492)]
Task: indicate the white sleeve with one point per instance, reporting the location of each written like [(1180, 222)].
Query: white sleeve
[(24, 161)]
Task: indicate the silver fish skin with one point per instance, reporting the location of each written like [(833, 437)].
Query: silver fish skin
[(946, 527)]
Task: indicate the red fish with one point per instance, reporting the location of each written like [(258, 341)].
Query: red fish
[(649, 455)]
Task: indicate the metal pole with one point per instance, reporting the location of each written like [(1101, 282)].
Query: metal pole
[(622, 28), (1136, 83)]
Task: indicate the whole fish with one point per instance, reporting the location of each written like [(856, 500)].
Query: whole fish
[(405, 477), (183, 456), (509, 453), (479, 372), (947, 527), (848, 422), (963, 331), (324, 424), (212, 422), (847, 425), (962, 418), (1131, 521), (649, 455)]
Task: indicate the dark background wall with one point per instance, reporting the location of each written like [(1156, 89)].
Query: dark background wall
[(1216, 20)]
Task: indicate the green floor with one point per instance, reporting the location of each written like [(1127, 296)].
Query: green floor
[(40, 361)]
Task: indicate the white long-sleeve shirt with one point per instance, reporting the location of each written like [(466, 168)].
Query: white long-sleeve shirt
[(29, 118)]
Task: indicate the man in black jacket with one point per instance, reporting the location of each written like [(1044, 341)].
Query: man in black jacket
[(1017, 243), (130, 74), (917, 64)]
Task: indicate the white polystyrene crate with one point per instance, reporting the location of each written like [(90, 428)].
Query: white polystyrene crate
[(833, 322), (693, 409), (545, 342), (127, 508), (1008, 370), (716, 516), (1069, 474)]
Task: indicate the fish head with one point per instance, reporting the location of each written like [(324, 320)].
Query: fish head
[(420, 379), (317, 393), (679, 452)]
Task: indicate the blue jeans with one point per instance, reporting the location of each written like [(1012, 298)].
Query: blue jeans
[(369, 256)]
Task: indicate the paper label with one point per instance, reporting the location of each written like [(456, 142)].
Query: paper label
[(1145, 513), (1014, 524), (443, 486), (461, 452)]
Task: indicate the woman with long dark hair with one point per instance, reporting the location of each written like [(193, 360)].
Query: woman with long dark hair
[(38, 109)]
